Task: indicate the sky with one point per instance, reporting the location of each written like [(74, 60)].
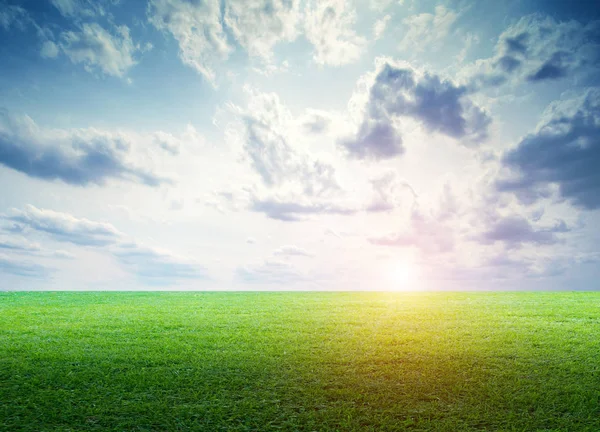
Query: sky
[(288, 145)]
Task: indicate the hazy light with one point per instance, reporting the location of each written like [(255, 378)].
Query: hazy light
[(403, 276)]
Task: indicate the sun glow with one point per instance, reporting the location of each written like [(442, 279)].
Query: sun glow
[(403, 276)]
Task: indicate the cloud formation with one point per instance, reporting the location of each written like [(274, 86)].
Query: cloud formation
[(13, 15), (423, 232), (21, 267), (97, 49), (425, 31), (78, 157), (564, 150), (152, 265), (398, 91), (156, 266), (291, 250), (539, 48), (208, 32), (270, 272), (515, 231), (64, 227), (329, 27)]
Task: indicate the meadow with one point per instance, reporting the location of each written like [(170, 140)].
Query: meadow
[(312, 361)]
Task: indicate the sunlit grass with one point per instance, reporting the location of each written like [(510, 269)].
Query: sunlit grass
[(300, 361)]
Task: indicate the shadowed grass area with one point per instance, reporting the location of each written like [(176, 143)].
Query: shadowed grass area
[(300, 361)]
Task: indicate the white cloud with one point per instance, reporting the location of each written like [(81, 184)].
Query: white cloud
[(271, 272), (12, 15), (329, 27), (207, 34), (97, 49), (79, 8), (49, 49), (258, 25), (152, 265), (426, 31), (197, 28), (291, 250), (380, 26)]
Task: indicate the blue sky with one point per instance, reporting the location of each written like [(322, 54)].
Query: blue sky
[(252, 145)]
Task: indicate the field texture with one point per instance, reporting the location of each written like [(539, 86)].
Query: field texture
[(300, 361)]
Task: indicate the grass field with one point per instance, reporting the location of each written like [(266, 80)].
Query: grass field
[(300, 361)]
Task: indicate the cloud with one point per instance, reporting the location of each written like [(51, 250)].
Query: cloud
[(12, 15), (380, 26), (259, 25), (167, 142), (23, 268), (564, 150), (65, 228), (294, 184), (80, 8), (97, 49), (292, 209), (292, 250), (79, 157), (375, 139), (398, 91), (49, 49), (270, 272), (153, 265), (329, 27), (426, 30), (197, 28), (424, 232), (390, 192), (292, 180), (19, 244), (515, 231), (316, 121), (156, 266), (207, 33), (540, 48)]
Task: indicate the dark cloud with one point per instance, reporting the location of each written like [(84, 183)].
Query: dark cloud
[(440, 105), (79, 157), (516, 44), (564, 150), (374, 140), (539, 48), (508, 63), (551, 69), (515, 231)]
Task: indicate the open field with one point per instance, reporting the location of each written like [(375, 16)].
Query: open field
[(300, 361)]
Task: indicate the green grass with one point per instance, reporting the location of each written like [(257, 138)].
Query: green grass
[(300, 361)]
